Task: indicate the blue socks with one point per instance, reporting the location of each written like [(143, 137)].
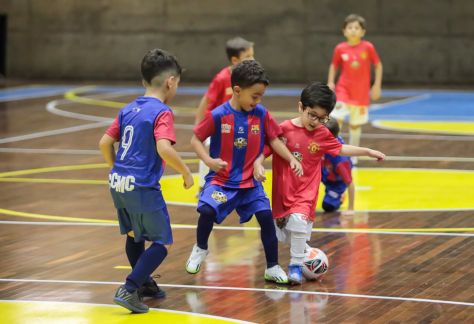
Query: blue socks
[(134, 250), (145, 265), (205, 225), (268, 237)]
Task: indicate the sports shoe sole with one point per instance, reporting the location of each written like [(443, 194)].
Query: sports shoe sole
[(130, 307), (268, 278)]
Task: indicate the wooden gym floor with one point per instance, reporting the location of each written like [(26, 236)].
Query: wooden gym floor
[(405, 256)]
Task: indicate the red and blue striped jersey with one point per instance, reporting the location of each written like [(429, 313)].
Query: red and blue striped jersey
[(237, 137)]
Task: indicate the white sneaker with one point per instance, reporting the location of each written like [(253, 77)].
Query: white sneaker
[(195, 259), (276, 274)]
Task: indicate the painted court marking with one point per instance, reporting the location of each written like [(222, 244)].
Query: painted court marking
[(396, 298)]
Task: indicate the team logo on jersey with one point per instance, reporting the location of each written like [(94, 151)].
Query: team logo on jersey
[(219, 197), (241, 130), (313, 147), (240, 142), (363, 55), (225, 128), (136, 109), (255, 129), (298, 156), (355, 64), (345, 57)]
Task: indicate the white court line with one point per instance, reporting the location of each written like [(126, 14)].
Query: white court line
[(162, 310), (417, 300), (242, 228), (52, 132)]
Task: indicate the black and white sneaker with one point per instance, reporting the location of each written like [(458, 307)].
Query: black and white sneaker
[(130, 300), (151, 289)]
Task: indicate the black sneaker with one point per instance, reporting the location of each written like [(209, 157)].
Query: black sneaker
[(151, 289), (130, 300)]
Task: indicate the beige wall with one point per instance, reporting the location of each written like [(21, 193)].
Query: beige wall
[(422, 41)]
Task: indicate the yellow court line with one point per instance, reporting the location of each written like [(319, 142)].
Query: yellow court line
[(123, 267), (72, 95), (57, 218), (62, 181), (69, 168), (54, 169)]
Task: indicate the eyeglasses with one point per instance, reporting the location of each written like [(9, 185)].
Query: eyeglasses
[(315, 117)]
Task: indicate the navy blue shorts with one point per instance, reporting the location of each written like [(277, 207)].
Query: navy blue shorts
[(246, 201), (150, 226)]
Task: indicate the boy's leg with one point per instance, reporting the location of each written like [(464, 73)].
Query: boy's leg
[(204, 228), (299, 228), (270, 245), (133, 249), (359, 115)]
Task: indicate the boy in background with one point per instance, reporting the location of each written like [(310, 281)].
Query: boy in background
[(354, 58), (220, 89), (238, 129), (337, 176), (294, 198), (146, 134)]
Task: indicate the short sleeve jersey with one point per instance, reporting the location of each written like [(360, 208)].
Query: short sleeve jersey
[(293, 194), (138, 126), (337, 171), (353, 85), (220, 89), (237, 137)]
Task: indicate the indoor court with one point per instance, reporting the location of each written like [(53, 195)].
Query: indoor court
[(405, 256)]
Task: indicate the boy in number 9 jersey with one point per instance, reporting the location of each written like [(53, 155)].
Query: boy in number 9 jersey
[(146, 134)]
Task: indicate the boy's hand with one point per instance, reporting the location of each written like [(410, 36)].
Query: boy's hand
[(375, 92), (296, 167), (377, 155), (188, 180), (259, 172), (216, 164), (331, 86)]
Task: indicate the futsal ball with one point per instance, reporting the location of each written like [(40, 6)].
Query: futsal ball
[(315, 264)]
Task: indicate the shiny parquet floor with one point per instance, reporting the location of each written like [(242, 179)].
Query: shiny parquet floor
[(412, 263)]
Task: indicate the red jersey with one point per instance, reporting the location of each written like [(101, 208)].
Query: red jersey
[(293, 194), (220, 89), (353, 85)]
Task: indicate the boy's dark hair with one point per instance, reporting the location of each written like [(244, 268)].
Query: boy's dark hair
[(235, 46), (333, 126), (354, 17), (318, 94), (247, 73), (156, 62)]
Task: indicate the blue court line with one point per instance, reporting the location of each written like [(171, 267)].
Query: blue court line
[(33, 91)]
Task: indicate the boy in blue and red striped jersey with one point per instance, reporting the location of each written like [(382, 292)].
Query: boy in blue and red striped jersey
[(238, 129), (146, 134)]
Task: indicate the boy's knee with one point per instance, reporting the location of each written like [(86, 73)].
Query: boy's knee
[(329, 208)]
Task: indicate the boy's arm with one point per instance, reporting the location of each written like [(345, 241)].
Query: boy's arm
[(106, 145), (351, 150), (280, 148), (171, 157), (213, 164), (332, 77), (376, 90), (259, 169), (201, 109)]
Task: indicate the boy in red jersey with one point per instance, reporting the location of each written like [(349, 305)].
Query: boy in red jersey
[(239, 128), (220, 89), (294, 198), (354, 57)]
